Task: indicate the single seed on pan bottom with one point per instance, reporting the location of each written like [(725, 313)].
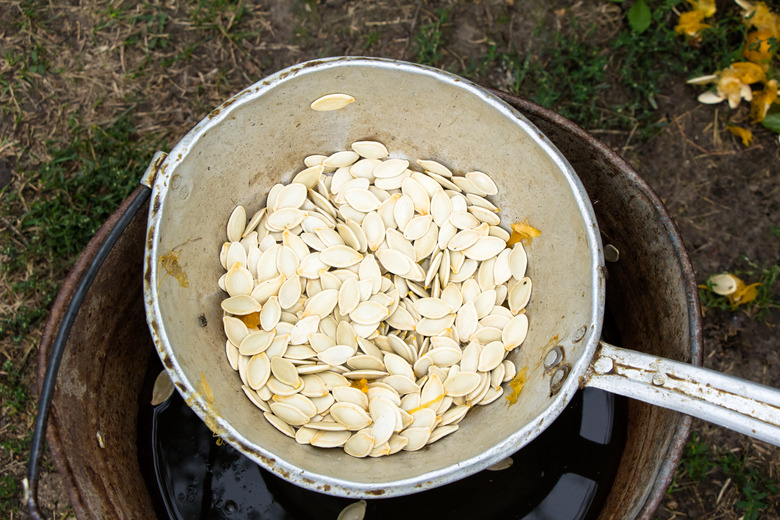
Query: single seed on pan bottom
[(331, 102)]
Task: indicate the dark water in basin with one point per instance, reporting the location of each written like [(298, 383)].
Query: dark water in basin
[(564, 474)]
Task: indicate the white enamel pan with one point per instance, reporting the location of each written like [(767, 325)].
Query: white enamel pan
[(259, 137)]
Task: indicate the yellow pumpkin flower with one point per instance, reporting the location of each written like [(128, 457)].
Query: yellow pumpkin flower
[(762, 101), (732, 84)]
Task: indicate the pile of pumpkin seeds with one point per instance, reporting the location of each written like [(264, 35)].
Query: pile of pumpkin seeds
[(370, 304)]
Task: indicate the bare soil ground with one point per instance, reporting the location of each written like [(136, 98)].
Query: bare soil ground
[(168, 64)]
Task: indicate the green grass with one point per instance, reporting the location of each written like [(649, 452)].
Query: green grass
[(429, 39), (613, 85), (16, 400), (56, 209), (221, 16), (14, 392), (700, 462), (9, 490)]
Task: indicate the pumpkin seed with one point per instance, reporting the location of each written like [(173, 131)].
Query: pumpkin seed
[(394, 261), (483, 183), (291, 196), (330, 438), (415, 191), (236, 224), (417, 227), (518, 262), (403, 211), (340, 256), (515, 332), (285, 218), (280, 424), (370, 149), (373, 227), (336, 355), (359, 445), (485, 247), (362, 200), (491, 356), (442, 431), (238, 280), (303, 328), (350, 415), (341, 159), (434, 167), (519, 295), (289, 414), (235, 254), (390, 168), (331, 102)]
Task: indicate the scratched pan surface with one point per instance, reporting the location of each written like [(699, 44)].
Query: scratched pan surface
[(258, 138)]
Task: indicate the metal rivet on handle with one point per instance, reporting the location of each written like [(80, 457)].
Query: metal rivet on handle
[(580, 334), (603, 366), (553, 357), (558, 378), (659, 379)]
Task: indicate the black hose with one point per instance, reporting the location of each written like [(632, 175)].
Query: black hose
[(58, 348)]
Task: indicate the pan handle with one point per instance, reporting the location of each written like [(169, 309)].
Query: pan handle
[(737, 404)]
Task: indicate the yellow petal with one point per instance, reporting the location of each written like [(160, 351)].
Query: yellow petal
[(691, 23), (758, 47), (744, 295), (523, 232), (758, 15), (747, 72), (743, 133), (705, 6), (517, 385), (762, 100)]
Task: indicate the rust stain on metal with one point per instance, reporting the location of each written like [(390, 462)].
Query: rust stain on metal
[(150, 238), (203, 398)]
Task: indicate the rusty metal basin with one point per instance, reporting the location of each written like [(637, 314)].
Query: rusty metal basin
[(109, 347)]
